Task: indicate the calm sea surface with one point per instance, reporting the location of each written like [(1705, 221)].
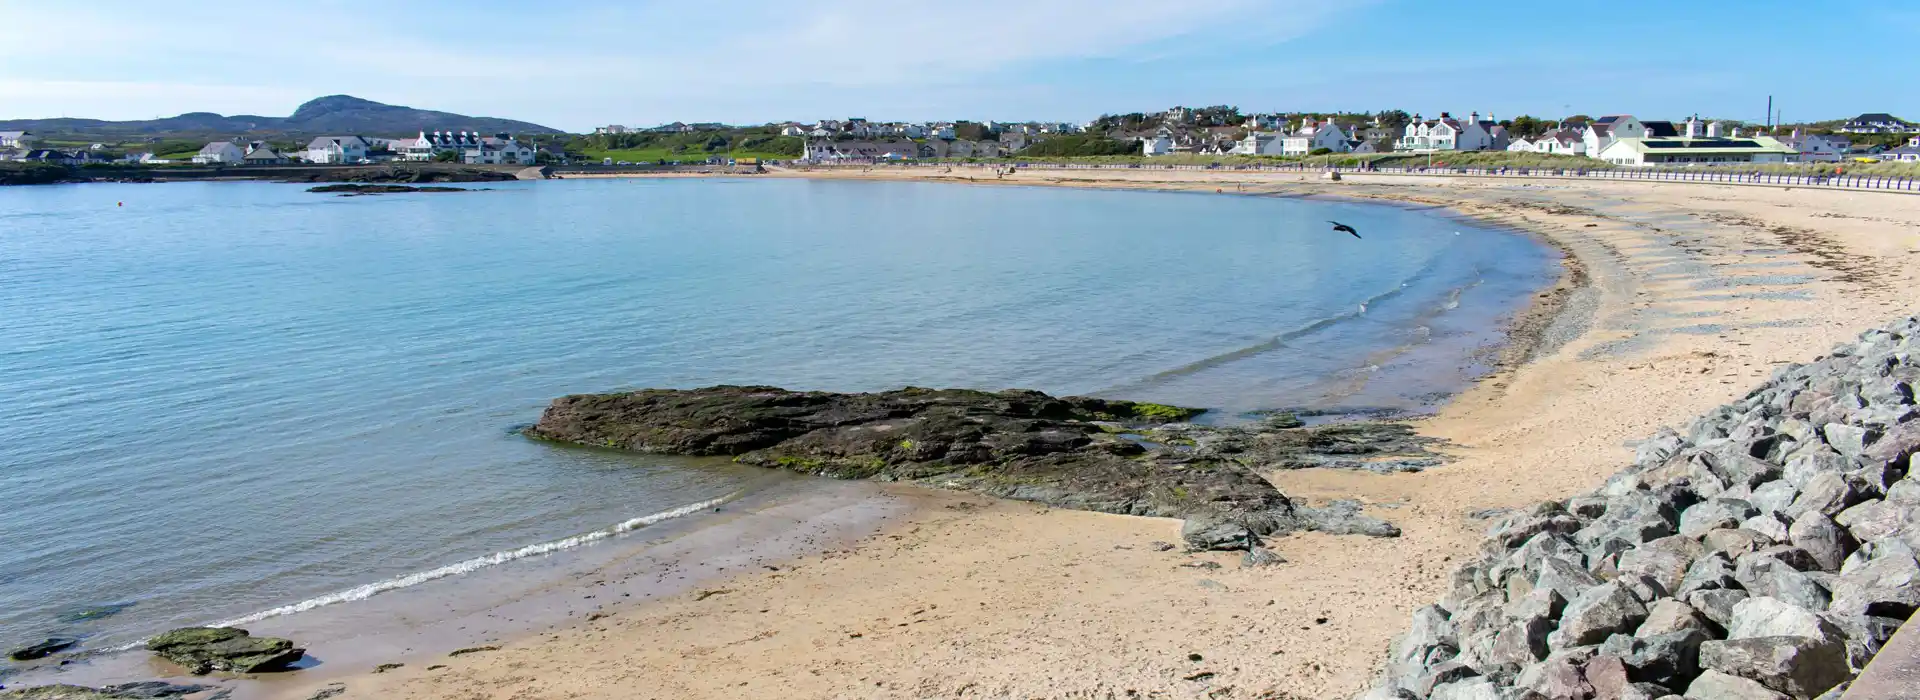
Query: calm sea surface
[(222, 399)]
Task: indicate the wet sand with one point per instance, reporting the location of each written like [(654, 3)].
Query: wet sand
[(1684, 297)]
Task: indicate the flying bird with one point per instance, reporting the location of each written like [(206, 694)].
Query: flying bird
[(1337, 226)]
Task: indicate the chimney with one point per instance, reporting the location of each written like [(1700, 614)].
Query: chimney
[(1474, 116), (1714, 130), (1693, 127)]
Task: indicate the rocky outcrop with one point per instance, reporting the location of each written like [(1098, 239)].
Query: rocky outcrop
[(145, 690), (42, 649), (1765, 551), (405, 174), (202, 650), (353, 189), (1073, 452)]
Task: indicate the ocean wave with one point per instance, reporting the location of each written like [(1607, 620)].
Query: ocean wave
[(366, 591)]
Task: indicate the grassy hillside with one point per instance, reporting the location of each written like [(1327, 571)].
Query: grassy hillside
[(751, 142)]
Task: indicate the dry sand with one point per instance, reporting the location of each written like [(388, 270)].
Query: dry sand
[(1692, 294)]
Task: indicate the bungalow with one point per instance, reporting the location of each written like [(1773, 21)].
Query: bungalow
[(1564, 142), (1703, 150), (337, 149), (262, 154), (220, 152), (1877, 123)]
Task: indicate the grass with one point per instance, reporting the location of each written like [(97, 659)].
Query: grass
[(650, 155)]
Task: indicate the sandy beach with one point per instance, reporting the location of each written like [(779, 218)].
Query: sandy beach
[(1679, 297)]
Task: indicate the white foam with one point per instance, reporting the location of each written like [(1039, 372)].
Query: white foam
[(532, 550)]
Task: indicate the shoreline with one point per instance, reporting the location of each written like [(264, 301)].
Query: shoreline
[(1134, 610)]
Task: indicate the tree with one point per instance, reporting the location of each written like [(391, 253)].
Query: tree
[(1320, 151), (1384, 145), (1577, 121), (1528, 126), (446, 157), (1393, 119)]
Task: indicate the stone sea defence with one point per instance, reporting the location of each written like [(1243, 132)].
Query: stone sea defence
[(1072, 452), (1766, 551)]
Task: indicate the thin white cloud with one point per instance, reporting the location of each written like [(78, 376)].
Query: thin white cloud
[(583, 63)]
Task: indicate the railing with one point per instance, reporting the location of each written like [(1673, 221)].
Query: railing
[(1850, 182)]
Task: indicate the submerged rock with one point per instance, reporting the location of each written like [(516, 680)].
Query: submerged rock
[(206, 649), (1072, 452), (42, 649)]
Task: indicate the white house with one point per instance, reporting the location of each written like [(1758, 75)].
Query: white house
[(17, 139), (1818, 148), (1877, 123), (1313, 136), (1522, 144), (1159, 144), (220, 152), (828, 151), (610, 129), (338, 149), (1257, 144), (1601, 133), (1694, 149), (261, 154), (793, 130)]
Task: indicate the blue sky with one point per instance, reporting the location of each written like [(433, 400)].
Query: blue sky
[(574, 64)]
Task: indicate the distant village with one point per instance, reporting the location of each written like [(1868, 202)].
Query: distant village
[(1620, 140), (446, 146)]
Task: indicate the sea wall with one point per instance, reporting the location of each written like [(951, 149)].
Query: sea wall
[(1766, 550)]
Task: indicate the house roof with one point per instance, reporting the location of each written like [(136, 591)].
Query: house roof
[(1871, 118), (345, 142), (264, 153), (1662, 129), (1600, 129), (1611, 118), (216, 147), (11, 135), (1705, 146)]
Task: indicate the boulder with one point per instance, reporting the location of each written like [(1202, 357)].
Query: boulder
[(1216, 531), (1564, 578), (1876, 519), (1669, 659), (1822, 538), (1801, 667), (1596, 614), (1772, 617), (1717, 604), (1714, 685), (1669, 615), (1888, 586), (205, 649), (1713, 514), (42, 649), (1471, 689), (1828, 493)]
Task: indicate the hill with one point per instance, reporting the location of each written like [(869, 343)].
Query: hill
[(333, 114)]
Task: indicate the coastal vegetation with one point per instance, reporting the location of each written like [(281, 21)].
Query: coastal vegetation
[(646, 147), (1080, 146)]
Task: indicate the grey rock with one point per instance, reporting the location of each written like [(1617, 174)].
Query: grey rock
[(1888, 586), (1806, 463), (1258, 556), (1596, 614), (1872, 520), (1470, 689), (1741, 469), (1774, 496), (1558, 677), (1668, 659), (1522, 642), (1827, 492), (1657, 449), (1430, 639), (1665, 566), (1801, 667), (1717, 605), (1646, 691), (1772, 526), (1895, 448), (1565, 578), (1714, 685), (1587, 507), (1446, 672), (1711, 571), (42, 649), (1764, 574), (1668, 615), (1736, 541), (1906, 490), (1820, 537), (143, 690), (1865, 634), (1849, 440), (1215, 531), (1607, 674), (1773, 617), (1643, 588)]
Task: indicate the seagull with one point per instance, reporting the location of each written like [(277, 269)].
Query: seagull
[(1337, 226)]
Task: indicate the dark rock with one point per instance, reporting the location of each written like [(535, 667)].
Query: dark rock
[(328, 692), (1801, 667), (205, 649), (1709, 572), (42, 649), (354, 189), (1596, 614), (1667, 659), (1717, 605), (90, 613), (1821, 538), (1215, 531)]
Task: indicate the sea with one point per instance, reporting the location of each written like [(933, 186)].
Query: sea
[(229, 402)]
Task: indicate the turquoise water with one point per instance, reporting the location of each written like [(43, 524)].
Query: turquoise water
[(223, 400)]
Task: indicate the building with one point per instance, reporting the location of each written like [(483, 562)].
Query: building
[(1562, 142), (821, 151), (220, 153), (338, 150), (1601, 133), (469, 147), (609, 129), (1877, 123), (1693, 147), (1449, 134), (1818, 148), (261, 154), (793, 130), (1522, 144), (1313, 136), (17, 140)]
